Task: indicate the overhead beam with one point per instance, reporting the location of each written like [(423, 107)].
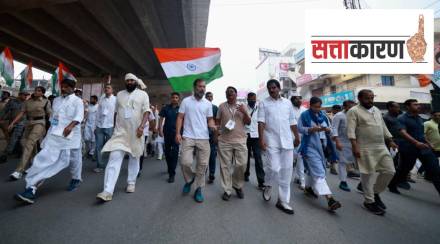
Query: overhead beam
[(17, 5), (76, 18), (50, 27), (34, 53), (112, 19), (25, 33), (150, 22)]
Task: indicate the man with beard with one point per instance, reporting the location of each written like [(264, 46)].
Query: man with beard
[(195, 114), (278, 137), (369, 138), (133, 109), (62, 142)]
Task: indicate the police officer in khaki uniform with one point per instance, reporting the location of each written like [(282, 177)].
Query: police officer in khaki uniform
[(3, 124), (36, 109)]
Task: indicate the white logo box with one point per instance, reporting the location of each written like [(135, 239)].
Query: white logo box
[(364, 29)]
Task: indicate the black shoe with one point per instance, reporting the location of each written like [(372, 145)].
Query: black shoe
[(239, 192), (404, 185), (372, 207), (226, 196), (211, 179), (393, 189), (171, 179), (359, 188), (379, 202), (246, 178), (284, 207), (261, 187), (353, 175), (309, 191), (333, 204)]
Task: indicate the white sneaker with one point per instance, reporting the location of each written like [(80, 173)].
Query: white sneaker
[(104, 196), (267, 193), (130, 188), (97, 170), (16, 175)]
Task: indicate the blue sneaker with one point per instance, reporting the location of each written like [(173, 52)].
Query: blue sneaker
[(344, 186), (187, 187), (28, 196), (198, 196), (73, 185)]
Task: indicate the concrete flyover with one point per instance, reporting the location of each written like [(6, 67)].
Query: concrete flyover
[(95, 38)]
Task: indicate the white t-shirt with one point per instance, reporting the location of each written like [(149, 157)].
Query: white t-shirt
[(197, 112), (106, 112)]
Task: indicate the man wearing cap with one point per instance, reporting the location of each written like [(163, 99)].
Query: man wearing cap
[(36, 109), (12, 109), (62, 141), (133, 108)]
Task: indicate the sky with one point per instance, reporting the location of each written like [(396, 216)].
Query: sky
[(240, 27)]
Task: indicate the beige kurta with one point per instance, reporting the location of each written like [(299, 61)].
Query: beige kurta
[(370, 132), (130, 108)]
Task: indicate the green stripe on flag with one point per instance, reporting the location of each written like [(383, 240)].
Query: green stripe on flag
[(185, 83)]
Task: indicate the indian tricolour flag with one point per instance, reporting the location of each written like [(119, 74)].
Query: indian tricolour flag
[(7, 66), (59, 75), (26, 78), (183, 65)]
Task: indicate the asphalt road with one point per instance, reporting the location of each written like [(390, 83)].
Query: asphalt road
[(158, 213)]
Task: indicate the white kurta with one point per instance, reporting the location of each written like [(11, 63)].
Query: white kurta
[(91, 123), (65, 110), (130, 109)]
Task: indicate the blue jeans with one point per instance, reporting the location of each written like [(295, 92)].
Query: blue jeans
[(102, 135)]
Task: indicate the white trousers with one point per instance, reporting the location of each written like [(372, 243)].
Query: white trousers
[(342, 167), (50, 161), (278, 167), (114, 167), (299, 168), (318, 184), (159, 146)]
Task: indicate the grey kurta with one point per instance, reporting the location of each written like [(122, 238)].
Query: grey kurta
[(130, 109)]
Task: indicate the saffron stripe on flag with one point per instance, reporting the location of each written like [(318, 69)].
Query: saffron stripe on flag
[(183, 54)]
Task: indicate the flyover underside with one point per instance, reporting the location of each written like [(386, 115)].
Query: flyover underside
[(95, 38)]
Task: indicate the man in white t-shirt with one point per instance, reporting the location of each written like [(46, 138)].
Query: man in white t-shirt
[(195, 114)]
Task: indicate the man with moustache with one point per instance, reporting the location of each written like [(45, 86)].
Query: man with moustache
[(133, 109), (195, 115), (62, 144)]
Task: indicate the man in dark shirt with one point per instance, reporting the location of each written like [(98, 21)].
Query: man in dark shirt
[(213, 155), (391, 120), (413, 146), (168, 132)]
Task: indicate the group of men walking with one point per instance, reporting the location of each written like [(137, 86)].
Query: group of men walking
[(284, 138)]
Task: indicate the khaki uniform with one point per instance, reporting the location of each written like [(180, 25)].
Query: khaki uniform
[(35, 110), (3, 128)]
